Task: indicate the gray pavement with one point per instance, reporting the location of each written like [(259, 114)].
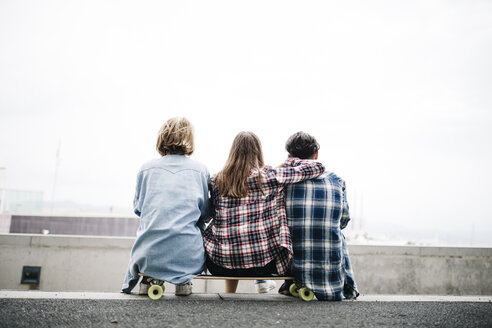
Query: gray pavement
[(50, 309)]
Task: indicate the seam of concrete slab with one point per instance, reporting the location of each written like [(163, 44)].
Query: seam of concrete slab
[(12, 294)]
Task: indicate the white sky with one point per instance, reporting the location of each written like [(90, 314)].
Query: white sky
[(398, 93)]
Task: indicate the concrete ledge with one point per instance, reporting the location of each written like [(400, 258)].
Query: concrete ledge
[(78, 241), (64, 241), (8, 294), (270, 297), (95, 263), (419, 251), (424, 298)]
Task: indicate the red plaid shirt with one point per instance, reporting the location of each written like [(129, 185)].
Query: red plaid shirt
[(252, 231)]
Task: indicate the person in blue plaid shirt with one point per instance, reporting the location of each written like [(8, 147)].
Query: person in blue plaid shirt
[(317, 211)]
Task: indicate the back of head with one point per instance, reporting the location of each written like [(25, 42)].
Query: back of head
[(245, 154), (176, 137), (302, 145)]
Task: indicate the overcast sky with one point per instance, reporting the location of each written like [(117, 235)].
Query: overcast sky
[(398, 94)]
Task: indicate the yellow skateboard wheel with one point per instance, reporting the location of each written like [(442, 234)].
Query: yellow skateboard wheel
[(155, 292), (293, 290), (306, 294)]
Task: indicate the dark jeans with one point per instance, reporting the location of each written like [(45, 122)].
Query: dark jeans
[(265, 271)]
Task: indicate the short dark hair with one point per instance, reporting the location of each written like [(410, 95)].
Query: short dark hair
[(302, 145)]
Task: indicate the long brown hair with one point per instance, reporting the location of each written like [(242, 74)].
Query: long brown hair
[(245, 155)]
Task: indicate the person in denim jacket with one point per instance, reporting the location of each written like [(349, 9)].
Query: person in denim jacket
[(172, 202)]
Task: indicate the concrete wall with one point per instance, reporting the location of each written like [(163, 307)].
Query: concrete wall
[(422, 270), (67, 262), (83, 263)]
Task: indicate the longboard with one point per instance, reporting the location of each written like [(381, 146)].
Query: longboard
[(157, 288)]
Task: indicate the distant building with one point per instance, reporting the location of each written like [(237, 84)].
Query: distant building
[(69, 225), (23, 211)]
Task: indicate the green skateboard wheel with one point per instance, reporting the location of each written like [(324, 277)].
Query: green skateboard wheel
[(306, 294), (155, 292), (293, 290)]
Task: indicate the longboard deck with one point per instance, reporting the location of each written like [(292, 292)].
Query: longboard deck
[(211, 277)]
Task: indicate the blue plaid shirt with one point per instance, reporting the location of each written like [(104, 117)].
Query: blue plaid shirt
[(317, 210)]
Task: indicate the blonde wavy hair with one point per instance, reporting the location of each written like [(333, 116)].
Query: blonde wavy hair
[(176, 136)]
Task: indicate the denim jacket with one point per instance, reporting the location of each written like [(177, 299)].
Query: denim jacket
[(172, 202)]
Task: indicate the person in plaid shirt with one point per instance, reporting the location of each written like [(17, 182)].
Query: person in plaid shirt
[(317, 211), (248, 234)]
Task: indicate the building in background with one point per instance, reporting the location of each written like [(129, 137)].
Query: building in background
[(69, 225), (23, 211)]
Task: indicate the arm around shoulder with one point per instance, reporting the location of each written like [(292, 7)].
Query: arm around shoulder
[(297, 170)]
